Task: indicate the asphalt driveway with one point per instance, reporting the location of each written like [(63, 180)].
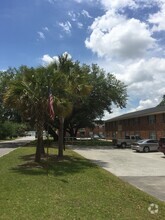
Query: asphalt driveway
[(146, 171)]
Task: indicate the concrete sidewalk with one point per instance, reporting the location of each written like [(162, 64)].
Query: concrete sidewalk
[(8, 146), (4, 151)]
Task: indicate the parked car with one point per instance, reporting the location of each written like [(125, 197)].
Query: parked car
[(145, 145), (126, 141), (102, 136), (95, 136), (161, 147)]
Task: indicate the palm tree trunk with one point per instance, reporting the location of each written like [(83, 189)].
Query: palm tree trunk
[(61, 137), (40, 147)]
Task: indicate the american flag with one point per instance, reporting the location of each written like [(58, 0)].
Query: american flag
[(50, 105)]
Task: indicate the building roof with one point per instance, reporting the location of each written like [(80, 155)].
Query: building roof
[(141, 113)]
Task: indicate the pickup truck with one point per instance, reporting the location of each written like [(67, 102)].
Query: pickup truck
[(127, 141)]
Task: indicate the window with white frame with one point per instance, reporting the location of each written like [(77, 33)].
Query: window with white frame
[(151, 119), (152, 135)]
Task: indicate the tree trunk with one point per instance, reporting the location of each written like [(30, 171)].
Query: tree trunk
[(76, 130), (53, 133), (71, 132), (61, 137), (40, 147)]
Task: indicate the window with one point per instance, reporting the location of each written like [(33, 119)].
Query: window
[(163, 116), (137, 121), (152, 135), (151, 119)]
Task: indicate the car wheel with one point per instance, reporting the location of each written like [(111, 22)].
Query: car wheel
[(146, 149), (123, 145)]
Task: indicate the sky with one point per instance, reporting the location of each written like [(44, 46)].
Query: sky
[(124, 37)]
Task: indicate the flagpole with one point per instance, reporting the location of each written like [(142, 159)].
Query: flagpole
[(47, 150), (51, 115), (48, 124)]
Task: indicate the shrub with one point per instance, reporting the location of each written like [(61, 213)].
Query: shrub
[(10, 129)]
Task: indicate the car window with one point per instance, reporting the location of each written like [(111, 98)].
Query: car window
[(152, 141), (162, 140), (155, 141), (141, 141)]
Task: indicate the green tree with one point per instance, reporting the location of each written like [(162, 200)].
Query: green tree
[(28, 94), (29, 90), (7, 113), (162, 103), (10, 129), (106, 92), (69, 84), (81, 95)]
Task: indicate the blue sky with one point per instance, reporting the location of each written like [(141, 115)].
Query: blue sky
[(125, 37), (32, 28)]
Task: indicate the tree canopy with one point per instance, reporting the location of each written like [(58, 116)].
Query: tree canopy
[(162, 103), (106, 90), (81, 94)]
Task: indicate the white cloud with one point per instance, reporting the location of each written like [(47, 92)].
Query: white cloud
[(85, 1), (69, 56), (126, 47), (158, 19), (80, 25), (47, 59), (52, 1), (45, 29), (114, 36), (66, 27), (148, 103), (72, 15), (78, 1), (85, 13), (145, 83), (41, 35), (118, 4)]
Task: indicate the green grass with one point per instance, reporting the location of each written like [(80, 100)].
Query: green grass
[(73, 189)]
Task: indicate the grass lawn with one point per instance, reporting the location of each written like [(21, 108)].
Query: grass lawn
[(73, 189)]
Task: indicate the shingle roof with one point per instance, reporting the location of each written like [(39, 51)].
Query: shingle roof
[(149, 111)]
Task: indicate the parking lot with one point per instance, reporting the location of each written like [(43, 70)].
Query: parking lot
[(146, 171)]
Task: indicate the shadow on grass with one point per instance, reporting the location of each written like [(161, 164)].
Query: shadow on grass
[(15, 144), (53, 165), (8, 145), (101, 163)]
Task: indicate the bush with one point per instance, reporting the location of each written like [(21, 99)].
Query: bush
[(10, 129)]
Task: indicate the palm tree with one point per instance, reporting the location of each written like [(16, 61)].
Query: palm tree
[(69, 84), (29, 90), (28, 93)]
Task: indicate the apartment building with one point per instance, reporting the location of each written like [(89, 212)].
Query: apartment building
[(148, 123)]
